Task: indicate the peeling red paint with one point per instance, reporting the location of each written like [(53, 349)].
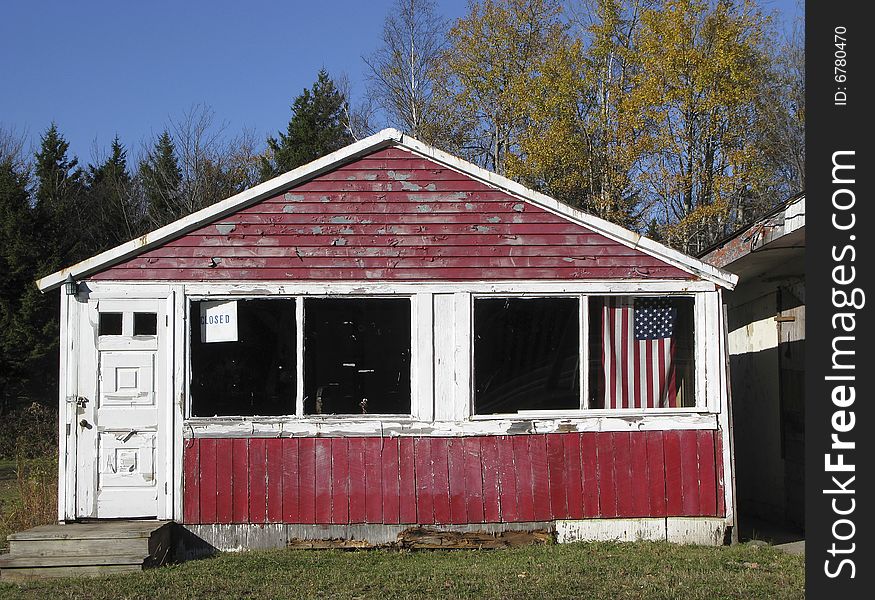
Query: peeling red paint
[(442, 480), (392, 215)]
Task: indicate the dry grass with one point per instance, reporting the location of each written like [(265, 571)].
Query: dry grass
[(28, 494)]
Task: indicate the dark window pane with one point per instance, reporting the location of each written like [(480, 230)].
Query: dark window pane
[(254, 375), (641, 352), (357, 356), (109, 324), (145, 324), (526, 354)]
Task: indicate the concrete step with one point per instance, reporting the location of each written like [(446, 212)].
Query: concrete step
[(93, 548)]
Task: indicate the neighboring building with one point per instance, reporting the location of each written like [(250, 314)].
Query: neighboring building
[(390, 337), (766, 319)]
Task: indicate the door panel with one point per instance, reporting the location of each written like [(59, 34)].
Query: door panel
[(121, 442)]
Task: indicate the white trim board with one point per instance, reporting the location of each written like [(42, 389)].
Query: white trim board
[(382, 139)]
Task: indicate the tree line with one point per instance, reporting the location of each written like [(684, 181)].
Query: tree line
[(682, 119)]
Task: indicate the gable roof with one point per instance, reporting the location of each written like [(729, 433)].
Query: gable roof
[(378, 141)]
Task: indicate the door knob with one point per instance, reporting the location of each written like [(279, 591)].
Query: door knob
[(85, 424)]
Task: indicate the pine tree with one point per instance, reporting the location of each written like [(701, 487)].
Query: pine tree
[(16, 262), (115, 217), (315, 129), (161, 178), (60, 220), (28, 318)]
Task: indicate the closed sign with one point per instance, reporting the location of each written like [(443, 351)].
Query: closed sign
[(219, 321)]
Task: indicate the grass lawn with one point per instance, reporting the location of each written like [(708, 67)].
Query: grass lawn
[(596, 570)]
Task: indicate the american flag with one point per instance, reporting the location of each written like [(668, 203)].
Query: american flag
[(638, 350)]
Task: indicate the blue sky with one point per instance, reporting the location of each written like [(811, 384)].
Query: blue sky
[(100, 68)]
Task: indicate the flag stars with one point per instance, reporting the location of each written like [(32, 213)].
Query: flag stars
[(654, 318)]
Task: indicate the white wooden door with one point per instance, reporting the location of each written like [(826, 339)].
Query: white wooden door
[(121, 432)]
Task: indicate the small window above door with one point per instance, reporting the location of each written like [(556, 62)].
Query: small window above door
[(109, 323)]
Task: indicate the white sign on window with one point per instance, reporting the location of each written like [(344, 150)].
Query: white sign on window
[(219, 321)]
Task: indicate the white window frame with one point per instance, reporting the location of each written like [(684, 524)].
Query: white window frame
[(300, 349), (700, 358), (443, 405)]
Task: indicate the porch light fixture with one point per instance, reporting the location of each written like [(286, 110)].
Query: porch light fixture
[(70, 285)]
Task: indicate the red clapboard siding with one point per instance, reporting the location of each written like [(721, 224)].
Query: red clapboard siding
[(392, 216), (191, 474), (208, 496), (257, 481), (476, 479)]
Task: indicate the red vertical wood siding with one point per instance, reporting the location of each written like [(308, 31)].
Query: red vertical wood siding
[(391, 215), (478, 479)]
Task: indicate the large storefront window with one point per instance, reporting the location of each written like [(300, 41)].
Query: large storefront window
[(243, 358), (526, 354), (356, 356)]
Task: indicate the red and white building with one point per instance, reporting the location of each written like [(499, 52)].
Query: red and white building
[(389, 337)]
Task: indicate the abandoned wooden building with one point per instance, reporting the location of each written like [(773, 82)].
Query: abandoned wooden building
[(766, 333), (391, 337)]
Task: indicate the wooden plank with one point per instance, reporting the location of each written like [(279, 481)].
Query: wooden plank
[(208, 480), (440, 480), (419, 229), (707, 473), (426, 538), (590, 251), (656, 474), (318, 185), (291, 512), (507, 479), (640, 506), (224, 481), (391, 481), (491, 486), (422, 462), (623, 473), (571, 259), (456, 474), (523, 462), (406, 218), (436, 274), (590, 474), (689, 473), (274, 452), (307, 480), (240, 478), (573, 475), (673, 483), (607, 479), (473, 480), (257, 480), (391, 241), (339, 481), (407, 481), (540, 478), (556, 472), (356, 468), (322, 458), (191, 472), (373, 481), (721, 498)]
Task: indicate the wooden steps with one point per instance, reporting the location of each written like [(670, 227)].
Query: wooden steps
[(86, 549)]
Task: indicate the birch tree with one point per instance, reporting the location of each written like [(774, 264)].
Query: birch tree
[(403, 72)]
